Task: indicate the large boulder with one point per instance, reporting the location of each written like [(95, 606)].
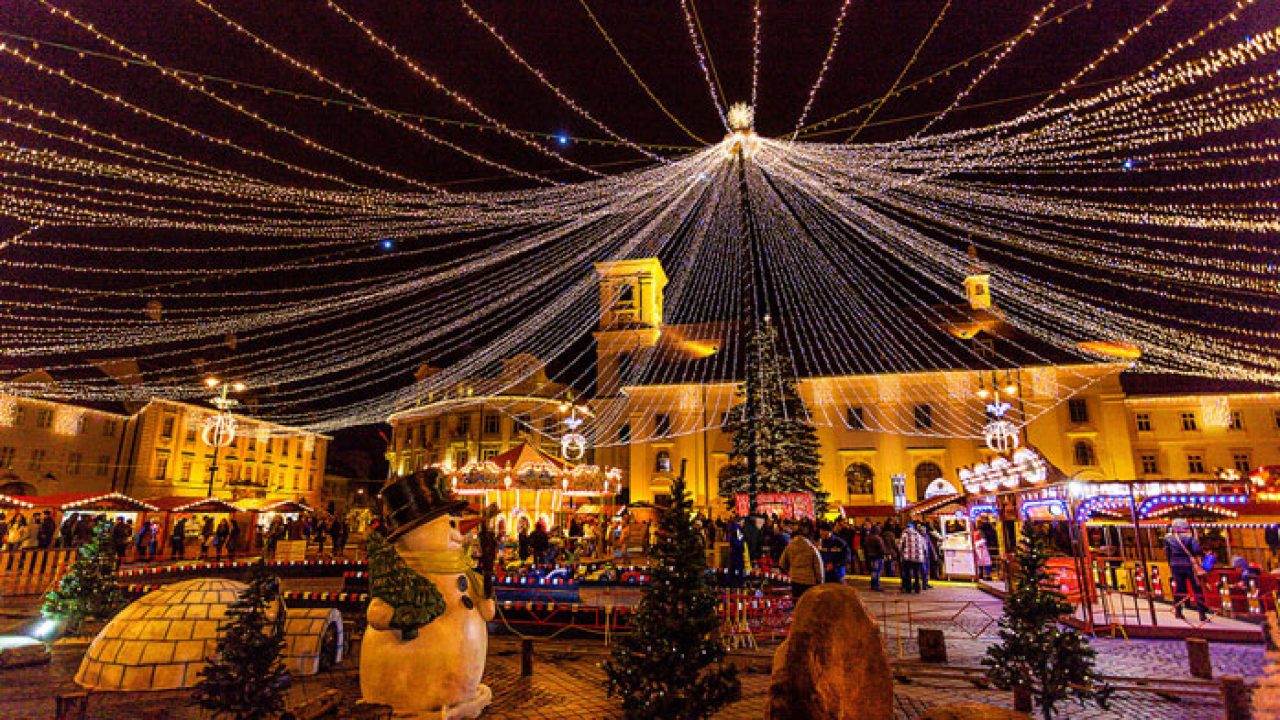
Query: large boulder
[(973, 711), (832, 665)]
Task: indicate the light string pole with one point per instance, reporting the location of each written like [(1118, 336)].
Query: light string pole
[(741, 144), (220, 430)]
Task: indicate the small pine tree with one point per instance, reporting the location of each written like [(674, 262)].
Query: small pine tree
[(661, 670), (771, 420), (246, 679), (1036, 654), (89, 590)]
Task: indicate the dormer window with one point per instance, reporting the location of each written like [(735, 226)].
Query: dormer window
[(625, 297)]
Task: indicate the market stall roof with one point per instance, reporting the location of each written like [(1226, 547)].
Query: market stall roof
[(89, 501), (934, 503), (189, 504), (8, 502), (264, 505), (852, 511)]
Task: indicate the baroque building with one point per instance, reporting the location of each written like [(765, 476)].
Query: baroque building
[(662, 391)]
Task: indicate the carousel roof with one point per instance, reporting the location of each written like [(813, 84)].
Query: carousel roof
[(89, 501), (186, 503), (524, 455)]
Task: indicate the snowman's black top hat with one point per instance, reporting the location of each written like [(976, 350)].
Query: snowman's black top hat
[(413, 500)]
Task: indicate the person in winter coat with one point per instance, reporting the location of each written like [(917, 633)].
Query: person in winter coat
[(1184, 555), (522, 544), (220, 538), (44, 535), (835, 554), (539, 542), (981, 555), (802, 561), (206, 536), (67, 531), (873, 550), (913, 548), (178, 540), (120, 534), (16, 536), (82, 531)]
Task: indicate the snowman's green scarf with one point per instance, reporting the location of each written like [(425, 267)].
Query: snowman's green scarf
[(415, 600)]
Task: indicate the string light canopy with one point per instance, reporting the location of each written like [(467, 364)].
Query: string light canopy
[(1124, 219)]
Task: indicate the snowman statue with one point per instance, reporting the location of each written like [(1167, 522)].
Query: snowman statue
[(424, 651)]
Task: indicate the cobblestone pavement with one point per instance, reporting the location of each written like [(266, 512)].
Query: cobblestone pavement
[(568, 682)]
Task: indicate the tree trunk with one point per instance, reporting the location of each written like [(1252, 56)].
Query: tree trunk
[(1022, 698)]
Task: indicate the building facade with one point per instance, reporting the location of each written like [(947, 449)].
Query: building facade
[(156, 450), (884, 437)]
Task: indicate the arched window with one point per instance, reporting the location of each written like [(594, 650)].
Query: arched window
[(1084, 454), (859, 479), (926, 473), (17, 488), (662, 462)]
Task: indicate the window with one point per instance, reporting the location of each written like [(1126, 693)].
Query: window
[(460, 458), (20, 414), (1237, 420), (104, 462), (37, 457), (662, 462), (82, 424), (162, 466), (624, 433), (1242, 462), (1189, 421), (491, 424), (924, 417), (191, 430), (1144, 422), (6, 457), (548, 426), (464, 425), (859, 479), (488, 454), (185, 476), (1084, 454), (73, 463), (435, 430), (662, 424), (1150, 466), (1195, 463), (1078, 409), (166, 426), (44, 418), (855, 420), (926, 473), (626, 296), (1276, 414), (109, 428), (624, 367)]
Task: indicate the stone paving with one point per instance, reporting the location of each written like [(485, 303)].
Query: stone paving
[(568, 680)]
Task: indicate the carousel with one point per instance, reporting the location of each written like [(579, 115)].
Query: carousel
[(529, 487)]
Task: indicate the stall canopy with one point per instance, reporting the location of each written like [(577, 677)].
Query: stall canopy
[(859, 511), (264, 505), (8, 502), (188, 504), (114, 502), (936, 502)]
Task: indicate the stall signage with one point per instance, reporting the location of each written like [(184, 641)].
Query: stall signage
[(793, 506), (1025, 467)]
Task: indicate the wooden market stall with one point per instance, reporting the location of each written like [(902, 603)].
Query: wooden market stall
[(196, 510)]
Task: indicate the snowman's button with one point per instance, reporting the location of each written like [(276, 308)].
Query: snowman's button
[(462, 583), (468, 603)]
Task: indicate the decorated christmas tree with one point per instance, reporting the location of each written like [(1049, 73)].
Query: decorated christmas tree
[(89, 589), (670, 667), (771, 421), (246, 679), (1036, 655)]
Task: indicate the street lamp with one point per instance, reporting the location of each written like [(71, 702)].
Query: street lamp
[(220, 430)]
